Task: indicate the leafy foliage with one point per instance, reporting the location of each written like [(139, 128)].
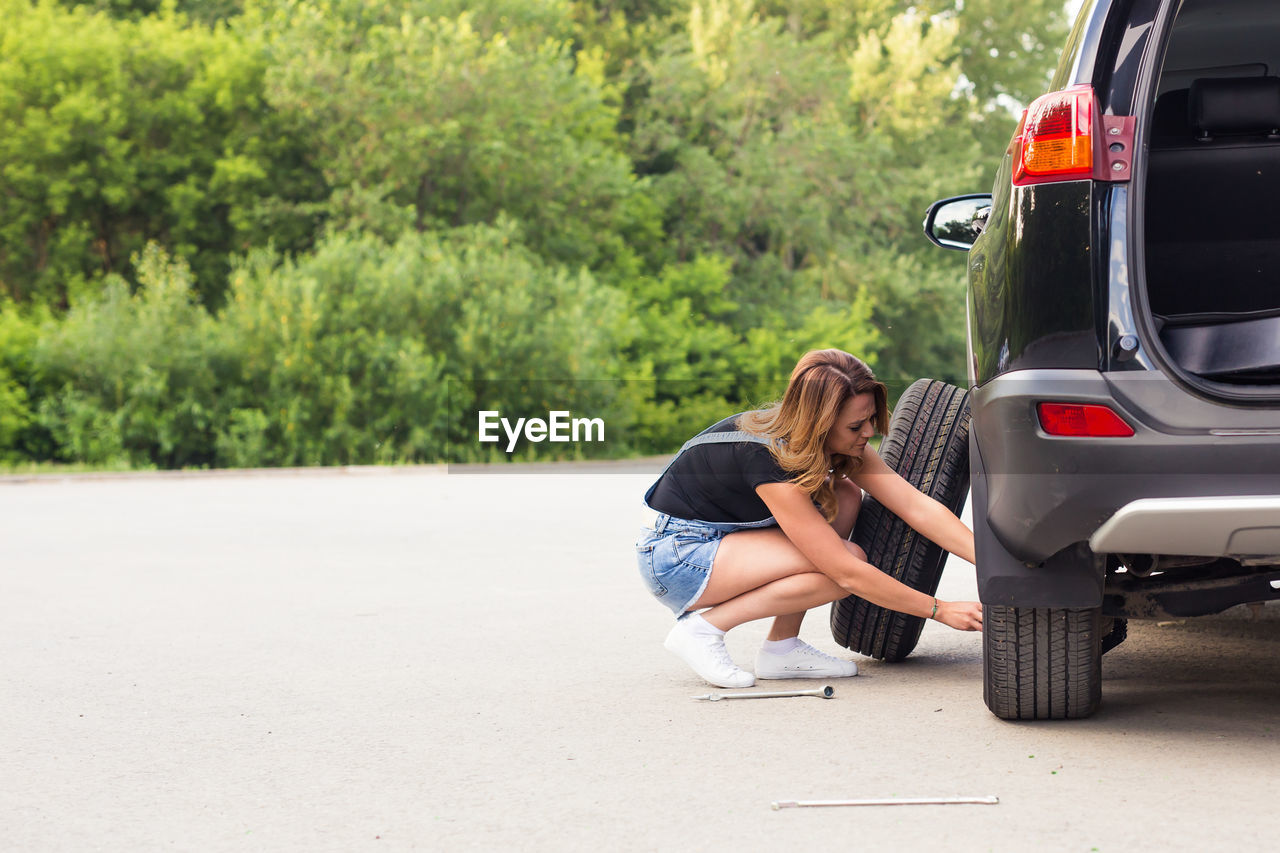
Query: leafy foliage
[(366, 351), (298, 232), (435, 121), (133, 377), (17, 337), (115, 132)]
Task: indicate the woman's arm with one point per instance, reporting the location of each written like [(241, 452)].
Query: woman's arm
[(822, 546), (924, 514)]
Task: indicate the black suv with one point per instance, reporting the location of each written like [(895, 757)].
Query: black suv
[(1124, 344)]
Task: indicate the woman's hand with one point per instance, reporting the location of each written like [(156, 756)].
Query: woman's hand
[(961, 615)]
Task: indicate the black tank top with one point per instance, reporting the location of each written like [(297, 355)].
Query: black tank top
[(717, 482)]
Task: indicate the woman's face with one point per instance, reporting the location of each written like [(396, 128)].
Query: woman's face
[(854, 426)]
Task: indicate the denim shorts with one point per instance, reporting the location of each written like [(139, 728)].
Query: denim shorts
[(675, 557)]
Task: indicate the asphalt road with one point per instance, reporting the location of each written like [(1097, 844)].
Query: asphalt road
[(418, 659)]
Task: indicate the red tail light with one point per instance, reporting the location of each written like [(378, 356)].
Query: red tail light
[(1078, 420), (1055, 138)]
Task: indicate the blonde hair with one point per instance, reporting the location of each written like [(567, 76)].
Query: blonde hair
[(797, 425)]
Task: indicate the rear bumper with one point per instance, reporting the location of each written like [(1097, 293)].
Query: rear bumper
[(1045, 493), (1242, 528)]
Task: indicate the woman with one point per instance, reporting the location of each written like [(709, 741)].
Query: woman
[(754, 516)]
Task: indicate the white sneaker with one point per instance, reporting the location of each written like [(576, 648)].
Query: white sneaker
[(707, 656), (804, 661)]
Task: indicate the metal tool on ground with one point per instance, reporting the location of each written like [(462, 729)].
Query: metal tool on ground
[(935, 801), (824, 692)]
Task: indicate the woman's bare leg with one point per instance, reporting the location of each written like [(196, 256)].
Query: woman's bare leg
[(769, 574), (850, 502), (759, 573), (788, 625)]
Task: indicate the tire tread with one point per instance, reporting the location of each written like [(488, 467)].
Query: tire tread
[(928, 444), (1041, 663)]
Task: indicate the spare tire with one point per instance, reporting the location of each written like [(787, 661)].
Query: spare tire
[(928, 444)]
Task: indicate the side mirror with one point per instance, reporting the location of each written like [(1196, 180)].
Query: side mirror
[(955, 223)]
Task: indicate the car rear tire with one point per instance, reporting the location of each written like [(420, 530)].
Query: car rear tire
[(1041, 663), (928, 444)]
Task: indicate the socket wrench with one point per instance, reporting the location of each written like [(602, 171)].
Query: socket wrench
[(825, 692)]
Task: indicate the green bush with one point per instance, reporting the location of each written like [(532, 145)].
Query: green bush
[(15, 415), (18, 333), (372, 352), (329, 370), (133, 378), (363, 352)]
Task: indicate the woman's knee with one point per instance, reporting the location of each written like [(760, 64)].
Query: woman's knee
[(856, 551), (810, 585)]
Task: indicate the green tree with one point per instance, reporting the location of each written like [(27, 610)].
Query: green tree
[(430, 117), (116, 132), (806, 158)]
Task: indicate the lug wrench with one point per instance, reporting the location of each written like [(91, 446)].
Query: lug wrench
[(825, 692), (938, 801)]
